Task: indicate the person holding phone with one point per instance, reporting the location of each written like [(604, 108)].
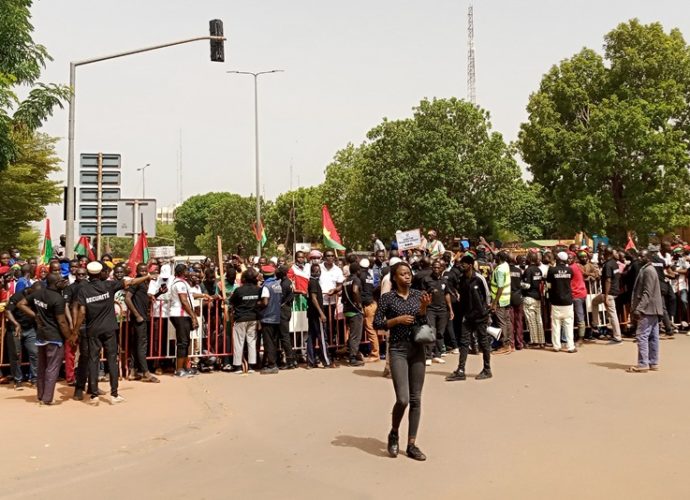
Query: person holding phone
[(399, 311)]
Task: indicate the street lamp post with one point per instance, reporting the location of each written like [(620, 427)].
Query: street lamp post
[(69, 198), (143, 179), (256, 141)]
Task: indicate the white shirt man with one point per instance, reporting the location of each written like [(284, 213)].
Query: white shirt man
[(329, 280)]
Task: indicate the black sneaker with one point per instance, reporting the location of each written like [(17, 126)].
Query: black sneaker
[(355, 362), (415, 453), (78, 395), (484, 374), (456, 375), (18, 386), (393, 447)]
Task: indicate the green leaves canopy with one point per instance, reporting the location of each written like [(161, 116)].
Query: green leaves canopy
[(607, 137)]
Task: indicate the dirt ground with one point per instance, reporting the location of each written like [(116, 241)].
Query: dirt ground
[(547, 425)]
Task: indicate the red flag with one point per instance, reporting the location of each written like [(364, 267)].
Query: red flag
[(331, 238), (631, 243), (83, 247), (139, 255)]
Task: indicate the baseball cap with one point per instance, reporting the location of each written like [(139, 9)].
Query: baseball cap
[(562, 256), (364, 263), (393, 261), (268, 270)]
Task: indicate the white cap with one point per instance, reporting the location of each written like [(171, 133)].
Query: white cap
[(274, 260), (562, 256), (255, 260), (394, 261), (94, 267), (364, 263)]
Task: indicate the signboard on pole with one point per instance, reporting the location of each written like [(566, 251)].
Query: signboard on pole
[(408, 239), (131, 212), (167, 252)]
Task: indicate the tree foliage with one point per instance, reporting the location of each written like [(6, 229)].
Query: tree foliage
[(21, 63), (607, 137), (444, 168), (307, 203), (26, 186), (191, 218)]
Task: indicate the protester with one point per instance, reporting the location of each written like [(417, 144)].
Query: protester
[(532, 281), (647, 306), (398, 311), (244, 307), (516, 301), (22, 335), (434, 246), (610, 285), (137, 300), (352, 309), (500, 302), (286, 303), (317, 322), (369, 306), (579, 293), (439, 311), (474, 303), (269, 306)]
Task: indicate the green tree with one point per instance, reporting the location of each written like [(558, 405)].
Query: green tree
[(26, 186), (444, 168), (307, 216), (21, 62), (530, 215), (607, 137), (191, 218), (165, 235), (231, 217)]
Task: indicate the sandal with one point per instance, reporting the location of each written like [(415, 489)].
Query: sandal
[(638, 369)]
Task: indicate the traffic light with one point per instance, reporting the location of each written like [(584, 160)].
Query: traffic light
[(217, 46)]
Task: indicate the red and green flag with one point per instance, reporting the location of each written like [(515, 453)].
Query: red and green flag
[(331, 238), (260, 233), (139, 255), (83, 247), (47, 251)]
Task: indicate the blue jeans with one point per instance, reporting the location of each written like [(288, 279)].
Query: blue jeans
[(647, 341), (14, 345)]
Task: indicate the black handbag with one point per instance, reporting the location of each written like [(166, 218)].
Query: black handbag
[(423, 334)]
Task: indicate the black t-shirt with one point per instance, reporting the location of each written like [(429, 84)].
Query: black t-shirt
[(659, 265), (98, 297), (26, 322), (140, 299), (419, 277), (66, 293), (611, 271), (515, 288), (366, 292), (314, 287), (243, 302), (438, 289), (559, 278), (533, 277), (349, 305), (452, 279), (48, 305), (630, 274), (287, 293)]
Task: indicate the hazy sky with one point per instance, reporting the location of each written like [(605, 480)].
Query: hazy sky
[(348, 65)]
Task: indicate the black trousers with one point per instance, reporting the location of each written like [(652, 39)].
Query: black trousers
[(141, 345), (470, 328), (285, 343), (407, 372), (270, 333), (108, 342), (183, 327), (438, 320), (669, 305), (82, 371)]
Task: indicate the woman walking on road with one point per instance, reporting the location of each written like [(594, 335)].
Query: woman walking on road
[(398, 312)]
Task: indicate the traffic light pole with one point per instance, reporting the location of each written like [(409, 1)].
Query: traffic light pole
[(69, 198)]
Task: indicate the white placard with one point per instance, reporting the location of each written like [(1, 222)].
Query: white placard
[(167, 252), (408, 239)]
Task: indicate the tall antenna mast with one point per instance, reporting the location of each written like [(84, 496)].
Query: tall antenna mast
[(471, 75)]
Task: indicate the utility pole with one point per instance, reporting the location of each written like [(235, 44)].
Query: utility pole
[(471, 75)]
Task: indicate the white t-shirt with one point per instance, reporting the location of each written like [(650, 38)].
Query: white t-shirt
[(328, 281), (435, 248), (178, 287), (161, 306)]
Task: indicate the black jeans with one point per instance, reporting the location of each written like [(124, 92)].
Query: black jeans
[(285, 343), (270, 333), (438, 320), (470, 328), (108, 342), (407, 371), (183, 327), (669, 300), (354, 324), (82, 371), (140, 331)]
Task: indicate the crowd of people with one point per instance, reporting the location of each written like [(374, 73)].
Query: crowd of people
[(65, 316)]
